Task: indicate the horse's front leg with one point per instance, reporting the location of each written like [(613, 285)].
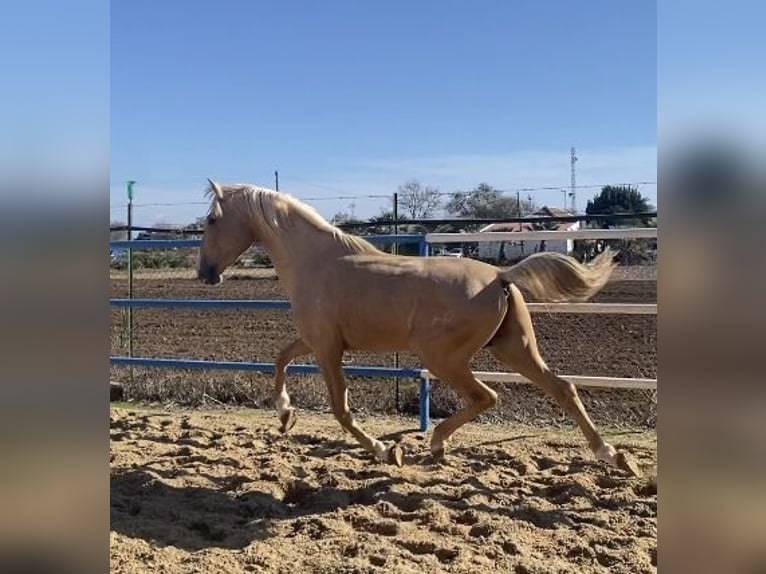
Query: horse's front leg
[(287, 355), (336, 385)]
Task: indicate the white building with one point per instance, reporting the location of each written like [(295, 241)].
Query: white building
[(512, 250)]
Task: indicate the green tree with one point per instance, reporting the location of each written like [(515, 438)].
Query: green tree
[(417, 201), (619, 199)]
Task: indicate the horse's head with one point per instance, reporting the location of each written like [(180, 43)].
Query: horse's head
[(228, 233)]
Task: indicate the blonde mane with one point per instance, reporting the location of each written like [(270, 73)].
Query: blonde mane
[(273, 208)]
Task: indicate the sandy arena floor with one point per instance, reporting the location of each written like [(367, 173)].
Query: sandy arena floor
[(197, 491)]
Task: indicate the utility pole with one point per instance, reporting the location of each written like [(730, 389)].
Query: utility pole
[(130, 183), (395, 248), (396, 218), (572, 183)]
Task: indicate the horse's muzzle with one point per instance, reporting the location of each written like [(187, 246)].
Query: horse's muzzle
[(209, 275)]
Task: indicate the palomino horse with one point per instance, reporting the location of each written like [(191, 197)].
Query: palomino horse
[(347, 294)]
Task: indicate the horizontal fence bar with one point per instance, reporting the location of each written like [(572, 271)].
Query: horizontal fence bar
[(579, 381), (200, 304), (584, 308), (383, 372), (457, 221), (190, 243), (443, 221), (496, 236), (401, 238), (268, 368), (595, 308)]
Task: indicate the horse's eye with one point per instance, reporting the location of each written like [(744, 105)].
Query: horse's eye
[(210, 219)]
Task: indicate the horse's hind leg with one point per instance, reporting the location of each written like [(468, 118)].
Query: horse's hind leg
[(516, 346), (336, 385), (478, 398), (286, 412)]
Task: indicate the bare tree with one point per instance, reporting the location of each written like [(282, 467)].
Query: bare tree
[(418, 202), (487, 202)]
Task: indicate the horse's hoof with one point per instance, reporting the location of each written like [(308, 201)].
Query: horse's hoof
[(628, 464), (438, 456), (288, 420), (395, 455)]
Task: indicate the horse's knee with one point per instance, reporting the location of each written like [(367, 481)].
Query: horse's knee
[(280, 365)]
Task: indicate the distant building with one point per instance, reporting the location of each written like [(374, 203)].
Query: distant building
[(511, 250), (160, 235)]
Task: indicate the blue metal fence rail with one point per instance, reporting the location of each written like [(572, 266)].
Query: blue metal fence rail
[(268, 368), (154, 243), (200, 304)]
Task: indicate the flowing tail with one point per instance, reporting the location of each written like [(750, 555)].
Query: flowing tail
[(556, 278)]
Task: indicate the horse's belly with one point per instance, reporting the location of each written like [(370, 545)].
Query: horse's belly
[(375, 336)]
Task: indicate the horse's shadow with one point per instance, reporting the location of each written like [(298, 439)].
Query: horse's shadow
[(193, 518), (145, 503), (189, 517)]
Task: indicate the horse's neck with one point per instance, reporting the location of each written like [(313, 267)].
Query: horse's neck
[(299, 249)]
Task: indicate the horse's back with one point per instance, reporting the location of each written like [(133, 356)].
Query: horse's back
[(423, 270)]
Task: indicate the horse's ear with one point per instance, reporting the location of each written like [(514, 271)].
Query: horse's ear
[(215, 188)]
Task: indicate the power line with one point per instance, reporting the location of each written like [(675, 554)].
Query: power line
[(339, 197), (389, 196)]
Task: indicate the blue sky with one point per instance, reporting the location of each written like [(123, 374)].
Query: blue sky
[(710, 71), (352, 98), (54, 101)]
